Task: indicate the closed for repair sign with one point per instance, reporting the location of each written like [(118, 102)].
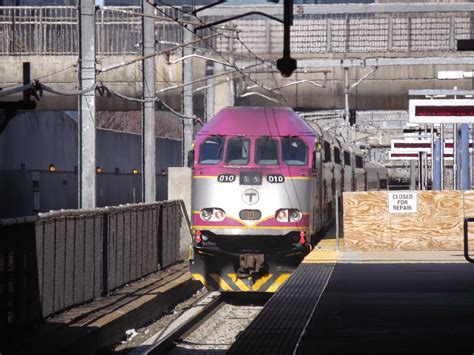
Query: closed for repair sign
[(403, 202)]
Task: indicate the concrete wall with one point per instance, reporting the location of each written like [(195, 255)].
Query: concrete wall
[(33, 141)]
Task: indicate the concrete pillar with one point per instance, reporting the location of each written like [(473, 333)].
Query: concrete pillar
[(148, 107), (210, 92), (86, 114), (224, 93), (187, 98)]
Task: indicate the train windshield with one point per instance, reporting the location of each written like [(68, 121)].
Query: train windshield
[(294, 151), (266, 151), (238, 149), (211, 150)]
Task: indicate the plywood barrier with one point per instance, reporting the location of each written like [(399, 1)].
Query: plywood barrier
[(437, 223)]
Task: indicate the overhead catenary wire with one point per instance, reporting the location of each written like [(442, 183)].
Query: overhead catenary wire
[(216, 51)]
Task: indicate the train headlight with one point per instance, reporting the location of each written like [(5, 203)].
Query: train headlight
[(282, 215), (212, 214), (218, 215), (295, 215), (290, 215), (206, 214)]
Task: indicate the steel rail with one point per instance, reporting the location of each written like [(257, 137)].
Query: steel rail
[(184, 329)]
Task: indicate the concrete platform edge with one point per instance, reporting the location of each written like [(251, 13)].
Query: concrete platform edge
[(111, 328)]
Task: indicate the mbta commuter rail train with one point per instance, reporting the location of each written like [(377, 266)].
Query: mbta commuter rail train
[(264, 183)]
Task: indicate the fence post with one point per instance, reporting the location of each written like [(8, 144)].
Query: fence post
[(105, 254)]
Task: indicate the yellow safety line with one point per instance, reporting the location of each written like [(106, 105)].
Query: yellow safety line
[(321, 256), (256, 286), (279, 281), (221, 282)]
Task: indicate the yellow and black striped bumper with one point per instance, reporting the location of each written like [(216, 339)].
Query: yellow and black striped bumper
[(231, 283)]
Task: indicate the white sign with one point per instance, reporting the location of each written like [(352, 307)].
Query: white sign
[(402, 202)]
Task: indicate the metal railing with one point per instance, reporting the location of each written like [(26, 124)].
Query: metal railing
[(65, 258), (317, 29), (466, 239)]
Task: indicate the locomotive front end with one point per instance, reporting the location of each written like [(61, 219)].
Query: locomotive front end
[(251, 210)]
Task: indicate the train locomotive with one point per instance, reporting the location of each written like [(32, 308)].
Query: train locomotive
[(264, 182)]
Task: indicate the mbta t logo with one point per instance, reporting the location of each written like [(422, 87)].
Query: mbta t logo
[(250, 196)]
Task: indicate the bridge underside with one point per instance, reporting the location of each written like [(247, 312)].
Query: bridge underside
[(318, 84)]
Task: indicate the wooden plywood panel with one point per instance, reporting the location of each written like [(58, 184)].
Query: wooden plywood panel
[(437, 225), (469, 204)]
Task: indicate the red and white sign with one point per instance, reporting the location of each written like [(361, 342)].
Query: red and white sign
[(413, 156), (441, 111)]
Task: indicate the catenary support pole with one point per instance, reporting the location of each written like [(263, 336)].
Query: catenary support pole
[(437, 164), (148, 107), (455, 156), (187, 97), (441, 127), (86, 114), (432, 155), (465, 169), (346, 104)]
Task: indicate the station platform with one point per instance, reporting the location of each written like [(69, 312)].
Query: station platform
[(368, 303), (99, 324)]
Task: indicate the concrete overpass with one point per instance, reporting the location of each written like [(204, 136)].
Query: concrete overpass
[(391, 49)]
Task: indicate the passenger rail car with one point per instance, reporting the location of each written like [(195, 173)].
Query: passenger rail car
[(263, 187)]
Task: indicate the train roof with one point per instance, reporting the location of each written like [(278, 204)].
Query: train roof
[(257, 121)]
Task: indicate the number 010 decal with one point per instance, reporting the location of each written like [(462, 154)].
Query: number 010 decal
[(226, 178), (278, 179)]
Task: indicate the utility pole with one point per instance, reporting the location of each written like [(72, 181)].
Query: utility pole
[(86, 122), (148, 106), (187, 96)]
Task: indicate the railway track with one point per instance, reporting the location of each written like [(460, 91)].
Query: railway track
[(211, 324)]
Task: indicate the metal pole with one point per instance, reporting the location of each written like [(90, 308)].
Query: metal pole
[(437, 165), (425, 163), (210, 91), (412, 175), (441, 127), (455, 156), (432, 156), (337, 219), (420, 171), (86, 122), (346, 100), (465, 169), (148, 107), (187, 93)]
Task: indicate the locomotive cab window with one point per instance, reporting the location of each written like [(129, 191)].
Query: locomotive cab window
[(347, 158), (359, 162), (238, 151), (211, 150), (294, 151), (266, 151)]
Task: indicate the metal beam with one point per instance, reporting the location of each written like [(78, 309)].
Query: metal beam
[(148, 106), (307, 9), (86, 123), (441, 92), (374, 62)]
